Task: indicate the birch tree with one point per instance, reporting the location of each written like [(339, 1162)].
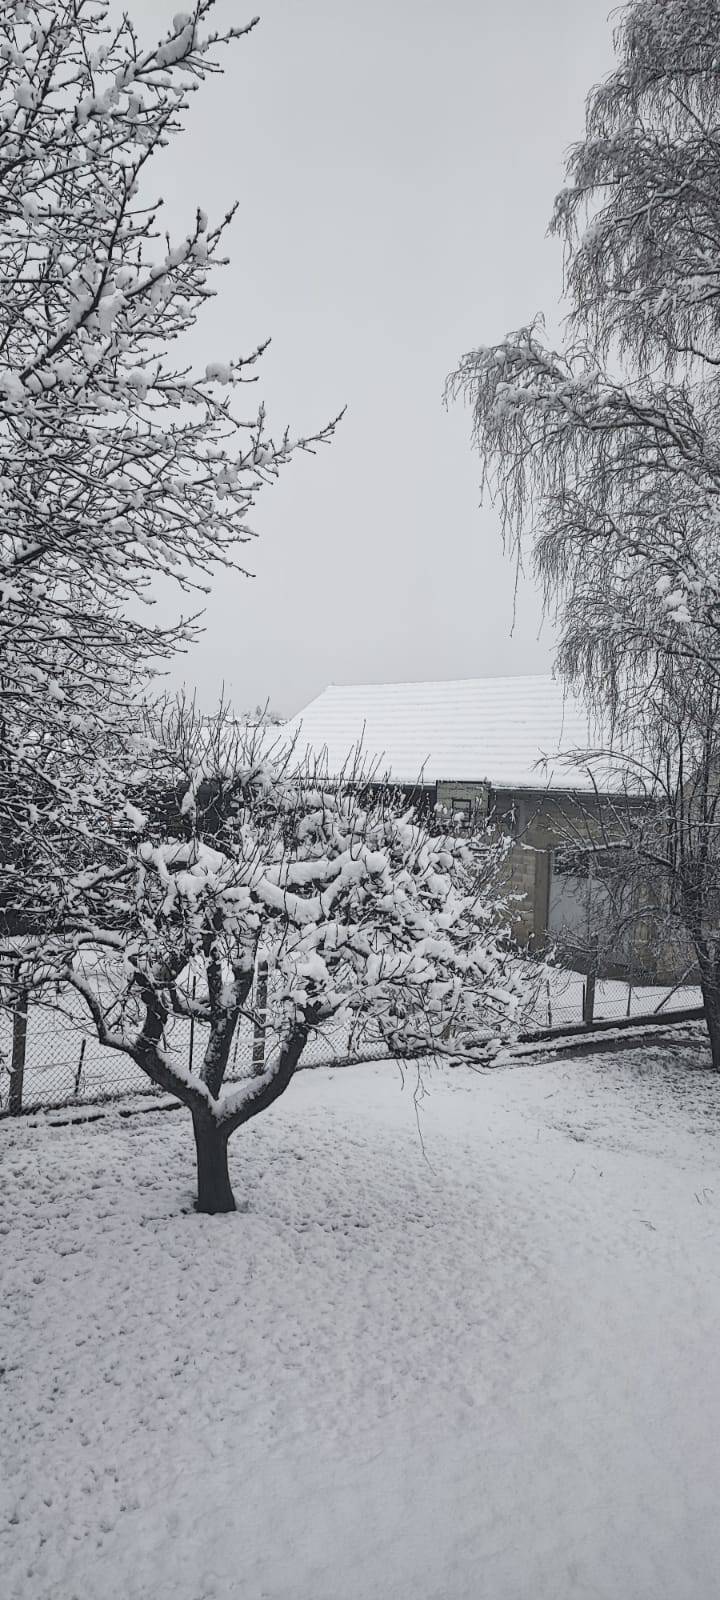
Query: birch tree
[(604, 455)]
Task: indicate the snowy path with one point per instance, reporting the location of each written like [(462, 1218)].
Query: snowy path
[(493, 1377)]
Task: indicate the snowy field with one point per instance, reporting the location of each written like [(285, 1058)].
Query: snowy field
[(481, 1367)]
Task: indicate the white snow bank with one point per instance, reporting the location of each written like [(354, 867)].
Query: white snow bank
[(483, 1375)]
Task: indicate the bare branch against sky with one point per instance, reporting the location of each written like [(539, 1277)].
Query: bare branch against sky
[(396, 164)]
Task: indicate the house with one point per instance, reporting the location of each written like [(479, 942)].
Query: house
[(482, 747)]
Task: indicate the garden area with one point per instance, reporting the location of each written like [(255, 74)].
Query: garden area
[(459, 1339)]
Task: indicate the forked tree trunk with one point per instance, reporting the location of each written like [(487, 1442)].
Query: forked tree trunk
[(211, 1145)]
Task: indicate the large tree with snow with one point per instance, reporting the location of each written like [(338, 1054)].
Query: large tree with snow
[(358, 911), (119, 463), (604, 455)]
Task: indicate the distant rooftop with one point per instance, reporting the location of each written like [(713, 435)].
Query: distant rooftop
[(508, 731)]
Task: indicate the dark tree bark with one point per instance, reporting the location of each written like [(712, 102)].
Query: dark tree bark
[(211, 1144), (711, 1002), (223, 1020), (19, 1044), (212, 1132), (211, 1136)]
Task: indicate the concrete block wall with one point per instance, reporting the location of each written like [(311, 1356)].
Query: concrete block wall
[(525, 871), (521, 880), (539, 823), (477, 793)]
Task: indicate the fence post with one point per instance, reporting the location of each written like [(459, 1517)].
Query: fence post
[(78, 1074), (192, 1030), (260, 1023), (589, 988), (19, 1045), (631, 971)]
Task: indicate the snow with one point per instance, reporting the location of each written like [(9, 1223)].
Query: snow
[(506, 731), (218, 371), (560, 999), (24, 95), (480, 1367), (55, 1074), (137, 818)]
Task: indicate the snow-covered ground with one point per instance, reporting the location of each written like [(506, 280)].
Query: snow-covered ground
[(481, 1367)]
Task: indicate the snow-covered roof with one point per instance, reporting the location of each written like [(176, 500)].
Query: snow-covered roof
[(508, 731)]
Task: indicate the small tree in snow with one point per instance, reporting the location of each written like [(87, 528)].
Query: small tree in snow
[(358, 911), (119, 463)]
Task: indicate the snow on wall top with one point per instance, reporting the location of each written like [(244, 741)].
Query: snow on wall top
[(508, 731)]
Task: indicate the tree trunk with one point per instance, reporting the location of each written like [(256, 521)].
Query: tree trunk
[(711, 1002), (211, 1144), (19, 1044), (589, 985), (261, 994)]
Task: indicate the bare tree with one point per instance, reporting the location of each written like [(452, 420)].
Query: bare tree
[(605, 455), (617, 488), (651, 850), (640, 215), (119, 463)]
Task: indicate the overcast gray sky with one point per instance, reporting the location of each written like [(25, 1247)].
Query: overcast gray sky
[(396, 162)]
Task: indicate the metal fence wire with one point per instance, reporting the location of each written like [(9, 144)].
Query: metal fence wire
[(51, 1058), (566, 997)]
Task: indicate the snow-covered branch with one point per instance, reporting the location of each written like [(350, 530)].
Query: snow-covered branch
[(120, 463), (356, 908)]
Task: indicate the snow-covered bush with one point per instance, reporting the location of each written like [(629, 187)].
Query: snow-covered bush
[(357, 908)]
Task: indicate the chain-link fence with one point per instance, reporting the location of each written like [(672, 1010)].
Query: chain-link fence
[(50, 1056), (565, 997)]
